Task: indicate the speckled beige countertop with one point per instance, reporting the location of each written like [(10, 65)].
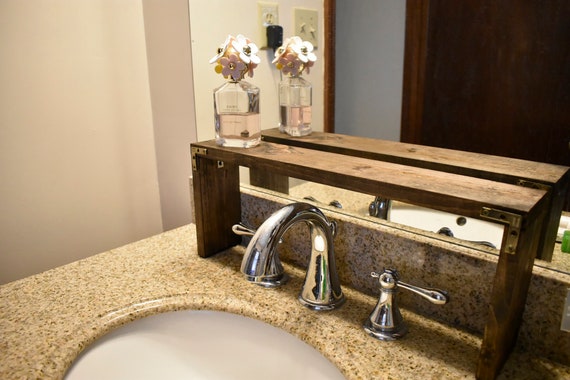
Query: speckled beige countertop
[(46, 320)]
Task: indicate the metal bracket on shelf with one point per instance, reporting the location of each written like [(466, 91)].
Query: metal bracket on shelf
[(533, 185), (195, 153), (513, 223)]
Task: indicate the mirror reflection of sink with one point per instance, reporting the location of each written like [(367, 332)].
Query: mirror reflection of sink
[(464, 228), (196, 344), (426, 219)]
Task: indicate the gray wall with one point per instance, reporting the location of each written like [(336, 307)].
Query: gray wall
[(369, 67)]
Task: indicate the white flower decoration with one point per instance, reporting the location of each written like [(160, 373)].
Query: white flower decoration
[(236, 57), (294, 56), (307, 51), (247, 49), (222, 49)]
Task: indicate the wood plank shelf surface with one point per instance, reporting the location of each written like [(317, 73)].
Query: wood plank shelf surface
[(554, 178)]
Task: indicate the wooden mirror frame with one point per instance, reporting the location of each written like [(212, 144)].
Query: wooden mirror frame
[(329, 64)]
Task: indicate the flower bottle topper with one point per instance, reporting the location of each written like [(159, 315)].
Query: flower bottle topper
[(294, 56), (237, 56)]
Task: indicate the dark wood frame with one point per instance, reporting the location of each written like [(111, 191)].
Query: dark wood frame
[(417, 12), (329, 64)]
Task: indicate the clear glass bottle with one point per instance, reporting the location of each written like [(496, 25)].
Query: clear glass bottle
[(236, 114), (295, 101)]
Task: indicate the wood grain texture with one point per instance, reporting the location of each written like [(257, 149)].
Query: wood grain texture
[(217, 205), (329, 63), (495, 168), (269, 180), (424, 187), (489, 76), (506, 307), (415, 47)]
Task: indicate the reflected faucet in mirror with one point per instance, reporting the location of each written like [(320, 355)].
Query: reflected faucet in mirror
[(380, 208)]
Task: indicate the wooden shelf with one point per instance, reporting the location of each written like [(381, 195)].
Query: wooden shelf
[(553, 178), (418, 175)]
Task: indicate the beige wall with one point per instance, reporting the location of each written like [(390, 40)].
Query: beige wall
[(77, 150), (167, 29), (96, 116)]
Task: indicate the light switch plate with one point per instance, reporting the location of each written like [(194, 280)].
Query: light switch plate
[(307, 25), (565, 325)]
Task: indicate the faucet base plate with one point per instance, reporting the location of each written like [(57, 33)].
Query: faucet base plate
[(269, 282), (386, 333), (330, 305)]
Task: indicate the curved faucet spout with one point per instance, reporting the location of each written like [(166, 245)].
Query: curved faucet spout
[(261, 264)]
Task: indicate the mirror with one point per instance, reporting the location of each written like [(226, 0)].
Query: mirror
[(457, 229), (210, 24), (373, 103), (374, 108), (470, 77)]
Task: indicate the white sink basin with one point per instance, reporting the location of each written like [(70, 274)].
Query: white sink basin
[(201, 345), (469, 229)]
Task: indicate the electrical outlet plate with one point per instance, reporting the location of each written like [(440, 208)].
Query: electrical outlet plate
[(267, 14), (307, 25)]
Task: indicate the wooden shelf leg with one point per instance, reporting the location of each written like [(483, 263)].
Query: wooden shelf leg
[(558, 196), (507, 303), (268, 180), (217, 205)]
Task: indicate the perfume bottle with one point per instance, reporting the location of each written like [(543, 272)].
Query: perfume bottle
[(295, 101), (236, 114), (236, 102), (293, 58)]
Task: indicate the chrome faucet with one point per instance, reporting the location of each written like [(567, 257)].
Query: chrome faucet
[(380, 208), (261, 265)]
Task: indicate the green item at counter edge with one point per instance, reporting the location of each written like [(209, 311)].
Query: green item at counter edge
[(565, 242)]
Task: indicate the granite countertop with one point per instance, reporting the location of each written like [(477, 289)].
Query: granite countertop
[(46, 320)]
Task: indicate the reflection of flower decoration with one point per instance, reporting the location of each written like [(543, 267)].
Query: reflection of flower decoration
[(289, 64), (294, 56), (235, 57)]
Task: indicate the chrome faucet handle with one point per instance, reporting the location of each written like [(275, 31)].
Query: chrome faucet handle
[(275, 275), (242, 230), (386, 322), (380, 207)]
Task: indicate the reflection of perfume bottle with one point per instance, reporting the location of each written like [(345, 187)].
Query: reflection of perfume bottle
[(295, 94), (236, 113), (295, 100)]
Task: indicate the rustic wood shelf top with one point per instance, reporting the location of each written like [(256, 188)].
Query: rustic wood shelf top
[(553, 178), (496, 168), (424, 187)]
